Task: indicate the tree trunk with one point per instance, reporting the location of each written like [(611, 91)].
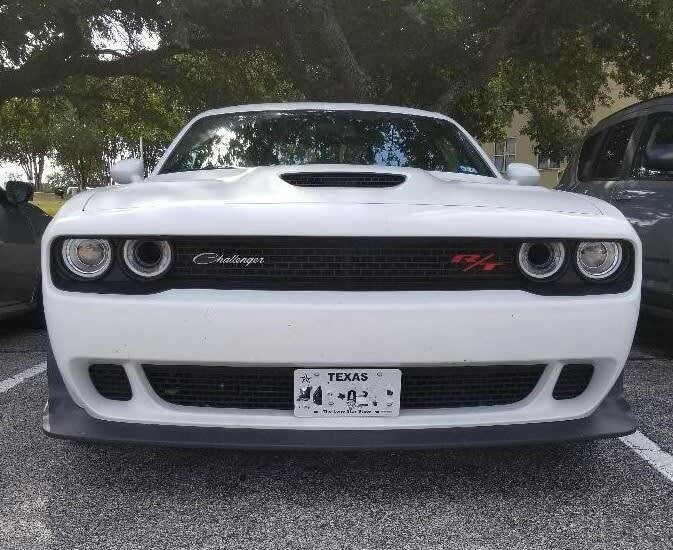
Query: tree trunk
[(27, 167), (81, 173), (33, 167), (356, 81), (39, 172), (291, 47)]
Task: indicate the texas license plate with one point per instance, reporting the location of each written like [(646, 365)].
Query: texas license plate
[(347, 392)]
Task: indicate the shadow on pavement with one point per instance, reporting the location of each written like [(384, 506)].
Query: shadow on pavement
[(655, 334), (31, 321)]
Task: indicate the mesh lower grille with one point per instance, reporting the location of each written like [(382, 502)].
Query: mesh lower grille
[(110, 381), (573, 380), (223, 387), (272, 387), (467, 386), (343, 179)]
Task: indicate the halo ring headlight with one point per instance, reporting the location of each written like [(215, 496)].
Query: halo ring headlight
[(146, 258), (598, 260), (86, 258), (541, 260)]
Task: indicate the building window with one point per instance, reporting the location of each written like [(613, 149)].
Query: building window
[(505, 152), (545, 163)]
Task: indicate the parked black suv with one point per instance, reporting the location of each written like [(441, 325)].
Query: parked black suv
[(627, 160)]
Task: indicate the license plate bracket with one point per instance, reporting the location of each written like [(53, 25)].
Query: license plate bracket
[(371, 392)]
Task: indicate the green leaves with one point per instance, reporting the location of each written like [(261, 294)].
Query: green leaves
[(477, 60), (26, 134), (87, 123)]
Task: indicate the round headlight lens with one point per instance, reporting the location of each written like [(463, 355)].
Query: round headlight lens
[(599, 259), (147, 258), (541, 260), (87, 258)]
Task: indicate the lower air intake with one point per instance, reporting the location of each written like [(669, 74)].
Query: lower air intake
[(272, 387), (573, 380), (111, 381)]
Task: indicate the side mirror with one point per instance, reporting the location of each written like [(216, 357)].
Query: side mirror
[(18, 192), (659, 158), (523, 174), (128, 171)]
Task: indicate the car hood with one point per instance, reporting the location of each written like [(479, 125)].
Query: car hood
[(263, 185)]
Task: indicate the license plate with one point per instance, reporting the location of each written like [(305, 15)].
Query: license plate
[(347, 392)]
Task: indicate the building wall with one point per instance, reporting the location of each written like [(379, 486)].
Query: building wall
[(525, 146)]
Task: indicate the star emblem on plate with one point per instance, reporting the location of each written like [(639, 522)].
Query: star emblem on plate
[(306, 379)]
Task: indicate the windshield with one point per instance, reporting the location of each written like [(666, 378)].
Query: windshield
[(268, 138)]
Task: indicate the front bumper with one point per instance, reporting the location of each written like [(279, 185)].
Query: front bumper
[(64, 419), (295, 329)]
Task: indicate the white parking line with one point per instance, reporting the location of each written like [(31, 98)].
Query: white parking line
[(649, 451), (15, 380)]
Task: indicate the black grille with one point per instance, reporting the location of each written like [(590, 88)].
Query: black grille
[(342, 263), (110, 381), (272, 387), (223, 387), (467, 386), (343, 179), (573, 380)]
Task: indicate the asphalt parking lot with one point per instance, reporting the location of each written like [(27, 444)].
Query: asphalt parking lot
[(599, 495)]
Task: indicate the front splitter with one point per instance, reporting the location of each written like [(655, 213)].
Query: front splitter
[(64, 419)]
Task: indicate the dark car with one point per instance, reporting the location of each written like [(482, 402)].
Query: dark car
[(627, 160), (21, 228)]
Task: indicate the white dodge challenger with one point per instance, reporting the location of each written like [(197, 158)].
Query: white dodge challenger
[(336, 276)]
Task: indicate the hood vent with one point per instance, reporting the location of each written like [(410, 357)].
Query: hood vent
[(343, 179)]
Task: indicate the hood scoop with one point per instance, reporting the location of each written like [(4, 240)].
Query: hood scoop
[(343, 179)]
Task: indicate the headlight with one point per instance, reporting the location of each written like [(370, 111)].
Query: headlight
[(87, 258), (147, 258), (599, 259), (541, 260)]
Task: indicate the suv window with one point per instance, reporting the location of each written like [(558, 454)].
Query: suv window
[(610, 159), (659, 131), (586, 156)]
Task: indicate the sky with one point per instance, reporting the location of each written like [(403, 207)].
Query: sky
[(14, 171), (8, 171)]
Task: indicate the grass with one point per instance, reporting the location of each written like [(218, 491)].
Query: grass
[(48, 202)]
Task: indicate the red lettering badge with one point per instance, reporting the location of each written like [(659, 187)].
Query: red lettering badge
[(476, 261)]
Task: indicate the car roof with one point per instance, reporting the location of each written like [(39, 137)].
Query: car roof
[(637, 109), (323, 106)]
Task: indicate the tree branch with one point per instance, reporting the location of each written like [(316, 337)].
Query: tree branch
[(489, 63), (52, 67), (60, 61)]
